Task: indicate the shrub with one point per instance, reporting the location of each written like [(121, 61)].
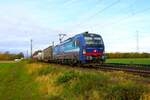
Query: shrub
[(66, 77), (90, 82), (126, 91), (45, 70)]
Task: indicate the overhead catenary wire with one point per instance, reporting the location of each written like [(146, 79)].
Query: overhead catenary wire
[(128, 17), (102, 10), (134, 2), (69, 2), (109, 6), (99, 12), (124, 18), (98, 3), (131, 6)]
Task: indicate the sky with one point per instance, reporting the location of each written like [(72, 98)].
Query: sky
[(123, 24)]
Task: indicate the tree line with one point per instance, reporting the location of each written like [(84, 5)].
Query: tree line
[(10, 56), (127, 55)]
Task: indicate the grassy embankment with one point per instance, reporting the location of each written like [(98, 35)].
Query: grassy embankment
[(130, 60), (33, 81), (58, 83), (16, 84)]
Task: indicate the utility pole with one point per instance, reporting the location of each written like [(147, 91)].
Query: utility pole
[(31, 47), (27, 54), (52, 49), (61, 36), (137, 41), (53, 44)]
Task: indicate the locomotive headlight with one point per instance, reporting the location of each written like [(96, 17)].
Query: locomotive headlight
[(84, 51), (95, 51)]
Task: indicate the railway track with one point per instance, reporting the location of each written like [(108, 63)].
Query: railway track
[(138, 69)]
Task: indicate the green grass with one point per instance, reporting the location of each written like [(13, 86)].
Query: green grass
[(65, 83), (66, 77), (16, 84), (130, 61), (38, 81)]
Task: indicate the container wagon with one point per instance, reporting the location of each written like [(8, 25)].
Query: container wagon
[(47, 54)]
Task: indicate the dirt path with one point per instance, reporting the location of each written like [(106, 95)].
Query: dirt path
[(7, 62)]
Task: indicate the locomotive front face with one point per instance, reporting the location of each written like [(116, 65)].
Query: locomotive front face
[(94, 48)]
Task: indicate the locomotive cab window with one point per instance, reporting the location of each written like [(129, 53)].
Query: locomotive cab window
[(89, 40), (93, 40), (98, 40)]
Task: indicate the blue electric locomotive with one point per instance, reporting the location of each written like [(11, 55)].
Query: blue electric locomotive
[(82, 48)]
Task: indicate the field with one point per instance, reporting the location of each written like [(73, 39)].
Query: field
[(16, 84), (130, 61), (40, 81)]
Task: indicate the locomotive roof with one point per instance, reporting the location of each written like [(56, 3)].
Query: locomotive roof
[(81, 34)]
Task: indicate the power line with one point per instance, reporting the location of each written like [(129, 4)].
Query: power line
[(131, 6), (127, 7), (79, 23), (137, 41), (69, 2), (100, 11), (120, 20), (127, 17)]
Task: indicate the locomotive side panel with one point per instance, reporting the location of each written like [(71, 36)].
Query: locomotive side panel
[(68, 51)]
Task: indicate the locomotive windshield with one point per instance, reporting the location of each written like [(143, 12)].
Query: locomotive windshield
[(93, 40)]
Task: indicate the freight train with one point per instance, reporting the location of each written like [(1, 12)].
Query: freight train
[(84, 48)]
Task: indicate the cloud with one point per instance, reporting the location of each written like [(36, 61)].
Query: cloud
[(43, 21)]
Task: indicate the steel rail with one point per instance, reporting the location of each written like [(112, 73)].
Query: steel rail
[(142, 70)]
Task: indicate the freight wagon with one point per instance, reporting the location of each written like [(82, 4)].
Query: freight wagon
[(47, 54)]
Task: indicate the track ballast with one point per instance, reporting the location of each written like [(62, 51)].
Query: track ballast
[(138, 69)]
